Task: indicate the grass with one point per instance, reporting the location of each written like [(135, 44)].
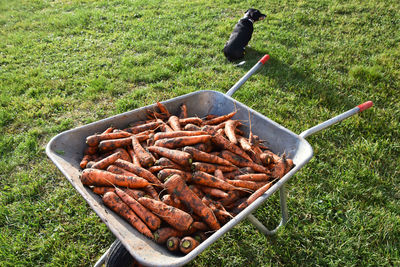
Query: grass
[(67, 63)]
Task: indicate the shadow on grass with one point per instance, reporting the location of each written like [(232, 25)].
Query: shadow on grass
[(296, 80)]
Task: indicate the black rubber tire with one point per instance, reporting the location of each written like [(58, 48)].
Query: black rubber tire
[(118, 256)]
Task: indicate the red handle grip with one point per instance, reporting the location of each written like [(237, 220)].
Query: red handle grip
[(365, 105), (264, 59)]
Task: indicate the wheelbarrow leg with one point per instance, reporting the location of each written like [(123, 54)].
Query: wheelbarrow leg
[(102, 259), (284, 219)]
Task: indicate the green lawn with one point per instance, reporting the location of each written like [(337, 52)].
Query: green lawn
[(67, 63)]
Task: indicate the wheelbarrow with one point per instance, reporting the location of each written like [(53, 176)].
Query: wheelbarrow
[(66, 151)]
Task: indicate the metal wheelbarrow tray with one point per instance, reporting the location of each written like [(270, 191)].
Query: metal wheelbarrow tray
[(66, 151)]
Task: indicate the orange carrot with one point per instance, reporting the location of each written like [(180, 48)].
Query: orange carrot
[(108, 130), (181, 141), (241, 162), (143, 127), (191, 120), (230, 126), (196, 189), (173, 121), (187, 244), (183, 114), (210, 168), (151, 220), (86, 158), (219, 174), (214, 192), (112, 201), (180, 157), (163, 233), (162, 135), (206, 157), (177, 187), (101, 190), (220, 119), (174, 202), (91, 150), (124, 154), (255, 195), (165, 173), (118, 170), (163, 109), (255, 177), (244, 143), (94, 140), (166, 162), (232, 197), (177, 218), (98, 177), (206, 179), (219, 140), (111, 144), (191, 127), (139, 171), (150, 190), (104, 163), (144, 157), (135, 193), (231, 175), (254, 186), (173, 243), (134, 158)]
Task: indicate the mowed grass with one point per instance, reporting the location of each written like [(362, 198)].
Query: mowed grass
[(67, 63)]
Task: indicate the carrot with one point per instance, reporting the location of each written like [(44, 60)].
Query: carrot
[(156, 169), (219, 140), (135, 193), (104, 163), (101, 190), (191, 120), (183, 114), (231, 175), (112, 201), (219, 174), (230, 126), (143, 127), (150, 190), (241, 162), (165, 173), (173, 121), (181, 141), (134, 158), (255, 195), (255, 177), (86, 158), (180, 157), (91, 150), (98, 177), (206, 179), (196, 189), (232, 197), (200, 226), (124, 154), (205, 157), (163, 233), (177, 218), (174, 202), (118, 170), (210, 168), (166, 162), (200, 236), (139, 171), (220, 119), (108, 130), (162, 135), (254, 186), (214, 192), (244, 143), (187, 244), (111, 144), (151, 220), (173, 243), (177, 187), (191, 127), (144, 157), (279, 169), (94, 140), (163, 109), (90, 164), (165, 128)]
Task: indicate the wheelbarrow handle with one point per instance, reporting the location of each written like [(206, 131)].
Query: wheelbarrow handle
[(242, 80), (336, 119)]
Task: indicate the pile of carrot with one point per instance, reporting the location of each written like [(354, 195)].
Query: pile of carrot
[(177, 179)]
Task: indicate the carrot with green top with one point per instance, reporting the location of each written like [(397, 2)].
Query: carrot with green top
[(115, 203)]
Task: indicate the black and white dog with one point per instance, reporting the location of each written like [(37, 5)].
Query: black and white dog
[(241, 35)]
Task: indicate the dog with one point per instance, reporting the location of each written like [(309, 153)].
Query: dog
[(241, 35)]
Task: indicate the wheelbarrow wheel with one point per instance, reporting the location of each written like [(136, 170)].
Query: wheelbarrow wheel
[(118, 256)]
